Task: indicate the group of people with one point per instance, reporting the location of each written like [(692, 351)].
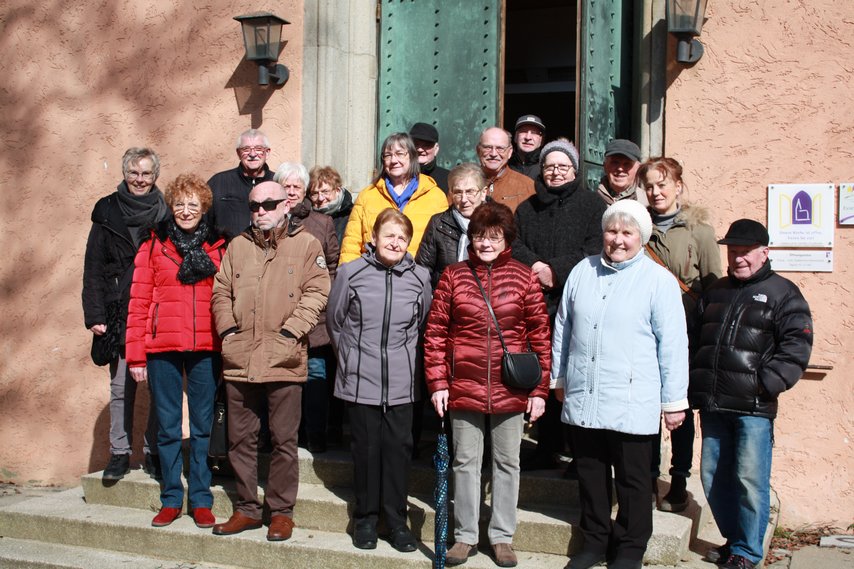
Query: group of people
[(285, 288)]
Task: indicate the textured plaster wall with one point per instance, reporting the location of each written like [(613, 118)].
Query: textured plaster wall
[(82, 81), (770, 103)]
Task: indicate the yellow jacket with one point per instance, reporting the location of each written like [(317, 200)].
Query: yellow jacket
[(427, 201)]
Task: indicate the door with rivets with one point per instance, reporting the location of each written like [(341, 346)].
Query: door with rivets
[(605, 94), (440, 63)]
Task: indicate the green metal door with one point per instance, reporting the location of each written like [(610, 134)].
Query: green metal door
[(605, 86), (439, 63)]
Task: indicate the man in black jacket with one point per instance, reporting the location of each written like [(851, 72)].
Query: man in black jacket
[(229, 213), (527, 143), (426, 140), (751, 341)]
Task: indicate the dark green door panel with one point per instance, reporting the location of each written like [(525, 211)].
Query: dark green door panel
[(439, 63), (604, 87)]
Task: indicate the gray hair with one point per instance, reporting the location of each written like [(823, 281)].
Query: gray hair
[(134, 154), (404, 140), (465, 171), (288, 169), (251, 133)]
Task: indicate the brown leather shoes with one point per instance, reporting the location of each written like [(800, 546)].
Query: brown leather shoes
[(236, 524), (504, 556), (459, 553), (281, 528)]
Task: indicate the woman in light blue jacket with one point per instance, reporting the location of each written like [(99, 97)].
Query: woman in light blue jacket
[(620, 361)]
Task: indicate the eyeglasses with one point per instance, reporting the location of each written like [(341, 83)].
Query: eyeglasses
[(400, 155), (322, 193), (268, 205), (494, 148), (252, 149), (484, 238), (561, 168), (133, 175), (190, 207), (467, 194)]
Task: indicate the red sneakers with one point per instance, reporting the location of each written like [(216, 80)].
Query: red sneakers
[(165, 517), (203, 517)]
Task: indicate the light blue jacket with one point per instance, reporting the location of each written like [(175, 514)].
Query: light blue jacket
[(620, 347)]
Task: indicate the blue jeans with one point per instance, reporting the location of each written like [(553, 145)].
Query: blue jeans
[(165, 374), (736, 472)]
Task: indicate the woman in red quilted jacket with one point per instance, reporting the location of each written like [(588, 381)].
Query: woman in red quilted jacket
[(463, 368), (170, 332)]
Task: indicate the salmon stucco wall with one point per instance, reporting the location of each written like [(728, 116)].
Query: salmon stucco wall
[(770, 103), (82, 82)]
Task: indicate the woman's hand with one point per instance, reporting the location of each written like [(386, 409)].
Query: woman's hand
[(536, 407), (440, 401), (139, 374), (99, 329), (674, 420)]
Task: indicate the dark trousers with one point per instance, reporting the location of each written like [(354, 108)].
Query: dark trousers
[(681, 447), (246, 402), (382, 450), (596, 451), (550, 429)]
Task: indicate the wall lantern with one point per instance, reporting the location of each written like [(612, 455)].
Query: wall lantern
[(262, 35), (685, 21)]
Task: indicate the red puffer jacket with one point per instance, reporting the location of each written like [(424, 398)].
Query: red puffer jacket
[(165, 315), (462, 349)]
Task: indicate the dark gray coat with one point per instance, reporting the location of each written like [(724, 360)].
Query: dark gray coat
[(374, 318)]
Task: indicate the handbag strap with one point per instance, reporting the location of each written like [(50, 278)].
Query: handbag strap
[(489, 307), (685, 288)]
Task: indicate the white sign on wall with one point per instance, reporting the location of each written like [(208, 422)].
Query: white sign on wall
[(846, 203), (800, 215), (803, 261)]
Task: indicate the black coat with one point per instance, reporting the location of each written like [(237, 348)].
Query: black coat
[(559, 227), (527, 163), (439, 245), (108, 268), (439, 174), (342, 216), (751, 341), (229, 214)]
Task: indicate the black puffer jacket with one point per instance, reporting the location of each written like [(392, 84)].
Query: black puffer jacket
[(560, 227), (752, 341), (440, 244)]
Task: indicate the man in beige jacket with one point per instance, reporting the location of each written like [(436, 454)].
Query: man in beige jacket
[(268, 294)]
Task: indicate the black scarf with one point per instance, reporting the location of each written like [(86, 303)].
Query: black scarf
[(196, 265), (144, 210)]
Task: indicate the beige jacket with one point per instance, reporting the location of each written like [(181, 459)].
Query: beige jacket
[(263, 289)]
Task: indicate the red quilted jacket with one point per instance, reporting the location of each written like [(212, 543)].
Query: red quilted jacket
[(462, 349), (165, 315)]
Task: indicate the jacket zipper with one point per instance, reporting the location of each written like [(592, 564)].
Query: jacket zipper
[(384, 343), (724, 339), (489, 342)]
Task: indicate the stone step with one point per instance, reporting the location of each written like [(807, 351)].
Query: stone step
[(542, 529), (31, 554), (65, 519), (334, 468)]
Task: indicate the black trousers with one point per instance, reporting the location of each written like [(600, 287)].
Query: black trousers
[(596, 451), (382, 455)]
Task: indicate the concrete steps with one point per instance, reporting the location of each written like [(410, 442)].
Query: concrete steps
[(116, 520)]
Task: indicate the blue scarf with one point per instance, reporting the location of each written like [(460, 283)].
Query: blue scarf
[(401, 200)]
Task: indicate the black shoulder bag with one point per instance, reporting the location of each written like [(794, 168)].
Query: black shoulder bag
[(519, 370)]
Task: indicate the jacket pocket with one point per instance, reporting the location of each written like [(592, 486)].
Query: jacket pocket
[(284, 352), (235, 353)]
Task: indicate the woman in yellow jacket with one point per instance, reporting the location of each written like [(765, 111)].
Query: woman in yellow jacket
[(399, 186)]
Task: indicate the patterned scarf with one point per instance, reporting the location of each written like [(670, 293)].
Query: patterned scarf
[(196, 264)]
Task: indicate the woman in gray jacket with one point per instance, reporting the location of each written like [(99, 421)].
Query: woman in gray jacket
[(376, 308)]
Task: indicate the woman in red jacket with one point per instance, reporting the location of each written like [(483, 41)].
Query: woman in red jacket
[(463, 368), (170, 332)]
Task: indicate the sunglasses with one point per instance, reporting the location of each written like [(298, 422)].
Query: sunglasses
[(268, 205)]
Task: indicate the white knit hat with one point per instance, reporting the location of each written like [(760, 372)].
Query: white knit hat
[(633, 209)]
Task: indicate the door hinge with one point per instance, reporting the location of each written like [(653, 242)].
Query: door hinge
[(379, 10)]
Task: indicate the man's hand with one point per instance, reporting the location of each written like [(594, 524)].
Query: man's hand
[(674, 420), (544, 274), (99, 329), (536, 407)]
